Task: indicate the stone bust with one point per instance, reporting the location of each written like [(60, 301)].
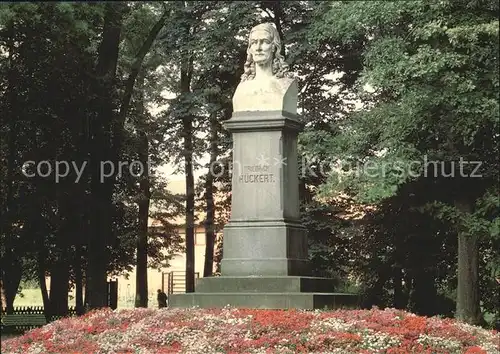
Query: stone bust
[(266, 84)]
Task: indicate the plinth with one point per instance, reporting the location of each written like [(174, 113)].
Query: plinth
[(265, 255)]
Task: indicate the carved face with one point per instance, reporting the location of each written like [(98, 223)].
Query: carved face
[(261, 46)]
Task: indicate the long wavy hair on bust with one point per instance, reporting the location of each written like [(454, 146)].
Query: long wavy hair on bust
[(279, 66)]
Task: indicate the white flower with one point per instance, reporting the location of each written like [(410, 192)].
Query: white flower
[(445, 343), (379, 341), (332, 323)]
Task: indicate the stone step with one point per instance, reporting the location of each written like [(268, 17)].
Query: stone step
[(265, 284), (265, 300)]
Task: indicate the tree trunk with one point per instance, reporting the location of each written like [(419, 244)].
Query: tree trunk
[(102, 190), (141, 290), (468, 306), (374, 294), (190, 195), (79, 307), (406, 288), (11, 283), (187, 135), (209, 197), (43, 286), (142, 240), (59, 286), (424, 294), (60, 266), (10, 265), (398, 288), (397, 278)]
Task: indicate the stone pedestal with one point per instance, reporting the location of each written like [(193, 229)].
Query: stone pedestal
[(264, 235), (264, 261)]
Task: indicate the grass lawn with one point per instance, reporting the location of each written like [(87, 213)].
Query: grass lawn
[(33, 297), (29, 297)]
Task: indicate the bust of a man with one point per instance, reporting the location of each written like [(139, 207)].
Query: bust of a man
[(266, 84)]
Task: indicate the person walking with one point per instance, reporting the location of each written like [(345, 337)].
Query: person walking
[(162, 299)]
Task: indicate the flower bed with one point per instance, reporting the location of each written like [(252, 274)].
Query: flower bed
[(231, 330)]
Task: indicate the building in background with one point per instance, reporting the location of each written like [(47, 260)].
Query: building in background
[(171, 279)]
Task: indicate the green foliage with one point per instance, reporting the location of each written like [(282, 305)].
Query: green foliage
[(428, 101), (49, 96), (434, 76)]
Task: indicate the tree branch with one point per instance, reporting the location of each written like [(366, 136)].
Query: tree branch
[(136, 67)]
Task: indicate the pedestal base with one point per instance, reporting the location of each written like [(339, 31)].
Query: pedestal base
[(265, 292), (264, 248)]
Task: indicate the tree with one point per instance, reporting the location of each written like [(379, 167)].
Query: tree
[(144, 184), (103, 129), (43, 227), (63, 108), (432, 69)]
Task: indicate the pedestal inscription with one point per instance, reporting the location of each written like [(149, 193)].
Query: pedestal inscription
[(256, 174)]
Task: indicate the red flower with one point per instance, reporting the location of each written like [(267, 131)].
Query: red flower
[(475, 350)]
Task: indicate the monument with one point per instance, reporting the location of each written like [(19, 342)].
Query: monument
[(264, 261)]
